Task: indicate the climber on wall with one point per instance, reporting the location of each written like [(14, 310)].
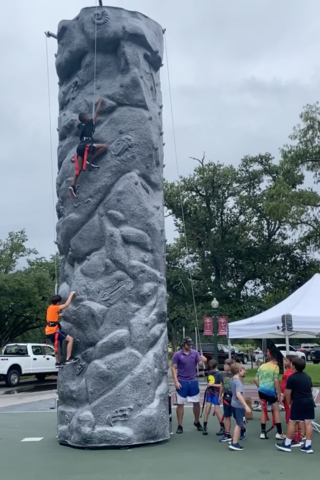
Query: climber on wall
[(53, 330), (86, 146)]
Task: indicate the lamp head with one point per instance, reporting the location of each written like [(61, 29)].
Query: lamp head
[(215, 303)]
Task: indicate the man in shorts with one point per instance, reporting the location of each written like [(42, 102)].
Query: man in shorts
[(184, 372), (267, 381)]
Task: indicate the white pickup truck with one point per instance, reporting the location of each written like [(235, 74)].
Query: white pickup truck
[(25, 359), (292, 351)]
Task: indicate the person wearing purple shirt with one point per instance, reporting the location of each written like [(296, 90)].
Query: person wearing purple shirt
[(184, 372)]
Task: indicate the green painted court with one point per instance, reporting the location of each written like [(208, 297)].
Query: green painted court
[(187, 456)]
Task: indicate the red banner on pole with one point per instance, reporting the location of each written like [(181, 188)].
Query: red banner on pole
[(207, 326), (223, 326)]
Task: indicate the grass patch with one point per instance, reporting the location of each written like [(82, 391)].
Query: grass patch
[(312, 370)]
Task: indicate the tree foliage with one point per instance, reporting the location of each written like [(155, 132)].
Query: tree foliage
[(24, 292), (245, 231)]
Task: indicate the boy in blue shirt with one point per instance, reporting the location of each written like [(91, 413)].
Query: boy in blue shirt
[(239, 406)]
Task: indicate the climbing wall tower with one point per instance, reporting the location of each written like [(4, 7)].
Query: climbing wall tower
[(111, 237)]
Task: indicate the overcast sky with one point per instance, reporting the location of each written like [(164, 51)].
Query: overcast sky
[(241, 71)]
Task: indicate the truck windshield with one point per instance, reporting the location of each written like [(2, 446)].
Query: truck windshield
[(15, 350)]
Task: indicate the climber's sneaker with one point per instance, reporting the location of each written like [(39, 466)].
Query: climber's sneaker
[(72, 191), (71, 360)]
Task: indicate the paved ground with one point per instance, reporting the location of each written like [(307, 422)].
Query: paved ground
[(186, 456)]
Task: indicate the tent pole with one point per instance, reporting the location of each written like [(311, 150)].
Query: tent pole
[(195, 332), (286, 334), (229, 347)]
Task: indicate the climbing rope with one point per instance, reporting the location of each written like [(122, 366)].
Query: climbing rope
[(180, 194), (52, 173), (95, 60)]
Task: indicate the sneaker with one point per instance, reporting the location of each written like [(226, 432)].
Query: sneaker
[(58, 365), (71, 360), (263, 436), (306, 449), (280, 436), (94, 165), (294, 443), (222, 431), (235, 446), (179, 429), (226, 438), (283, 447), (205, 430), (72, 191), (198, 426)]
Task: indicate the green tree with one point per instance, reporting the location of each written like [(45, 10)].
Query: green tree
[(24, 293), (239, 224), (303, 153)]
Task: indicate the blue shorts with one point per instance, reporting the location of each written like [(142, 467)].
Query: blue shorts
[(62, 336), (227, 408), (239, 415), (189, 391), (212, 398)]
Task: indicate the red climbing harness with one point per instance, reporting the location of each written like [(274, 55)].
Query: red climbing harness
[(56, 342), (85, 159), (265, 411), (287, 409)]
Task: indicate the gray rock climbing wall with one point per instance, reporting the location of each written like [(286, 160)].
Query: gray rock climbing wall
[(111, 237)]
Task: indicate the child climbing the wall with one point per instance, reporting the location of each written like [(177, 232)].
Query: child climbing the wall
[(86, 146), (53, 331), (212, 396)]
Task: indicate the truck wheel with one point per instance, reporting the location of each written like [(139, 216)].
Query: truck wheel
[(41, 377), (245, 360), (12, 378)]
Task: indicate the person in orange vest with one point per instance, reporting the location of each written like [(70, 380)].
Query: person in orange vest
[(53, 330)]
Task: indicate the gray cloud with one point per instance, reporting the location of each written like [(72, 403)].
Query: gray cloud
[(240, 75)]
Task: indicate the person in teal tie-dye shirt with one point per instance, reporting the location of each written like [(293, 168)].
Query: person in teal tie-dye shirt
[(267, 381)]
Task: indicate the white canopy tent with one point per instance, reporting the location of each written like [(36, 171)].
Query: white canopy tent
[(303, 307)]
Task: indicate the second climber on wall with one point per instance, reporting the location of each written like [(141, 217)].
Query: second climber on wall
[(86, 147)]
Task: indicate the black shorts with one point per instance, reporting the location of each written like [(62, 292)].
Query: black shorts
[(301, 412), (227, 408), (82, 146), (62, 336), (268, 398)]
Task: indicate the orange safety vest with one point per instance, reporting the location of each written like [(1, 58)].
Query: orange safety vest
[(52, 319)]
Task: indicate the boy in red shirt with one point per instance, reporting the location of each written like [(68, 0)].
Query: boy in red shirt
[(296, 442)]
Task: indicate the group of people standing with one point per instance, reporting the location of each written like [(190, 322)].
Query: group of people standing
[(226, 388)]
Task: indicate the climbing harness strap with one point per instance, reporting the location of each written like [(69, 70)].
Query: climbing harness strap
[(287, 410), (204, 400), (85, 159), (56, 342), (265, 411)]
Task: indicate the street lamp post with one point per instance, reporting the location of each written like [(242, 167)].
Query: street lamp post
[(215, 306)]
